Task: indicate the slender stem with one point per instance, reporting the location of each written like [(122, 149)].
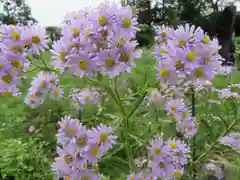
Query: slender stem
[(194, 168), (215, 142), (118, 97)]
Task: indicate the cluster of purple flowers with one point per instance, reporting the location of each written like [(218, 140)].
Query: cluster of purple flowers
[(186, 53), (232, 140), (41, 85), (81, 97), (186, 124), (214, 170), (166, 160), (17, 42), (81, 149), (97, 40)]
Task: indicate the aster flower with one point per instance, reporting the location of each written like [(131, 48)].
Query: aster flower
[(85, 96), (213, 169), (102, 135), (232, 140), (56, 93), (175, 106), (81, 65), (156, 148), (178, 151), (67, 156), (35, 37), (68, 129), (155, 97), (161, 168)]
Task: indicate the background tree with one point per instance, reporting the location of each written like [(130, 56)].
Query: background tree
[(16, 11)]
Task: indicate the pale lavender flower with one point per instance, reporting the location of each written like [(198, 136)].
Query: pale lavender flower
[(161, 168), (156, 148), (56, 93), (68, 129), (213, 169), (174, 106), (36, 39), (81, 65), (102, 135), (155, 97), (177, 151), (232, 140), (226, 70)]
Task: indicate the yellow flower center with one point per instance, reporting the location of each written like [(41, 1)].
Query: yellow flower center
[(81, 141), (205, 39), (103, 137), (68, 158), (126, 22), (132, 178), (94, 151), (173, 108), (182, 43), (52, 80), (104, 33), (36, 40), (124, 57), (109, 62), (199, 72), (173, 145), (67, 67), (161, 165), (75, 32), (55, 91), (191, 56), (67, 178), (177, 174), (184, 115), (179, 65), (102, 20), (164, 73), (164, 35), (43, 84), (157, 150), (85, 178), (121, 42), (31, 101), (17, 64), (70, 132), (1, 66), (62, 55), (163, 51), (17, 49), (83, 64), (7, 78), (15, 35)]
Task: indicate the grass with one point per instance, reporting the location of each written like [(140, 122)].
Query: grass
[(27, 155)]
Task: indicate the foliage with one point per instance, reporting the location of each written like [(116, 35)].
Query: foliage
[(191, 126), (16, 12), (145, 36)]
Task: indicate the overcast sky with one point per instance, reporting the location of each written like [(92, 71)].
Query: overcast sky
[(51, 12)]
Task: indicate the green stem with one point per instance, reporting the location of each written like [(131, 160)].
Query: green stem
[(194, 168), (215, 142), (118, 97)]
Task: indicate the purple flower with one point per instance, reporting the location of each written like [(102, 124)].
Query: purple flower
[(35, 37), (81, 65), (102, 135), (213, 169), (68, 129)]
